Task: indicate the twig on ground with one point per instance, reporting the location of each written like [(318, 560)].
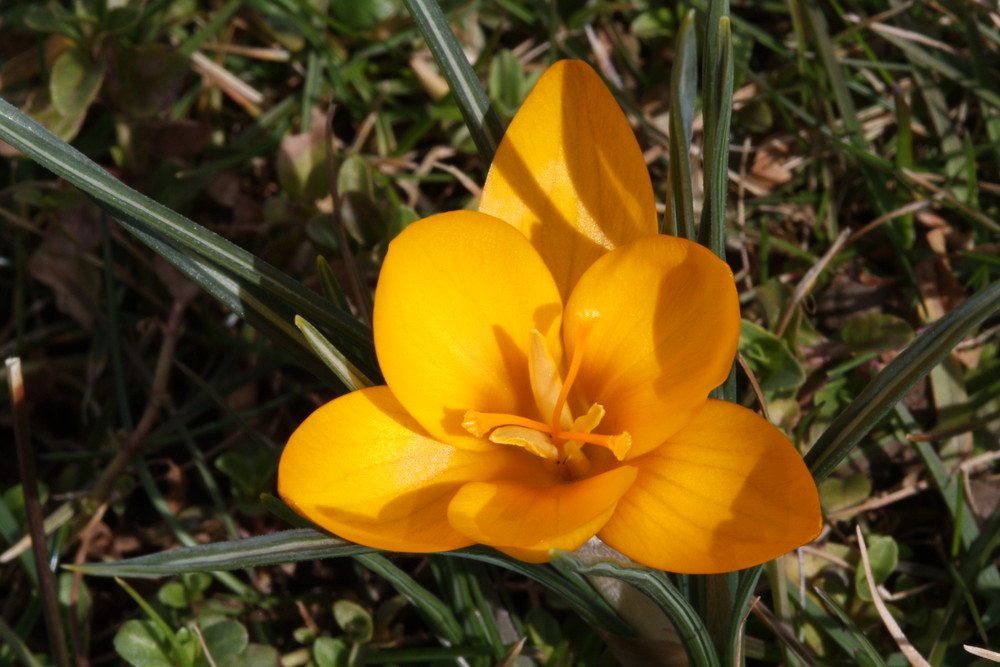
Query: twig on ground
[(33, 508), (809, 279), (910, 653), (982, 652), (753, 383), (881, 501), (783, 633)]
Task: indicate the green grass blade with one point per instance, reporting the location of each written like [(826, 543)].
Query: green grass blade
[(950, 69), (211, 27), (17, 647), (248, 300), (301, 544), (717, 102), (459, 583), (834, 71), (952, 493), (863, 652), (280, 509), (657, 587), (742, 597), (679, 218), (287, 546), (570, 586), (480, 117), (433, 609), (718, 108), (896, 379), (203, 248), (178, 653), (345, 371), (330, 286), (715, 12), (904, 152)]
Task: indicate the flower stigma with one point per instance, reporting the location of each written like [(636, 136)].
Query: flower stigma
[(561, 440)]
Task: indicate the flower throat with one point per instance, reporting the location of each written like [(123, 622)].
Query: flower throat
[(562, 438)]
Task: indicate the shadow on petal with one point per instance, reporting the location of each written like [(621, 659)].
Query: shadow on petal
[(569, 173), (727, 492), (666, 335)]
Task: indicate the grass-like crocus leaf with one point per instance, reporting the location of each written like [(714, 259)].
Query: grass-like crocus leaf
[(252, 288), (717, 97), (746, 586), (433, 608), (480, 117), (300, 544), (17, 647), (679, 218), (345, 371), (571, 586), (896, 379), (861, 650), (287, 546), (660, 590)]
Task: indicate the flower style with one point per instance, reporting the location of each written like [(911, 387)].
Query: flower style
[(548, 361)]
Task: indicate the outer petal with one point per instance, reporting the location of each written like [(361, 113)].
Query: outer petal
[(666, 334), (727, 492), (569, 173), (362, 468), (526, 521), (457, 298)]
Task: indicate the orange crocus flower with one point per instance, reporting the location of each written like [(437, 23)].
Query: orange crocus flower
[(548, 361)]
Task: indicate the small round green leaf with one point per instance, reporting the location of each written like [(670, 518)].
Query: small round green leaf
[(142, 644), (770, 358), (354, 621), (224, 640), (883, 554), (74, 82), (174, 594), (329, 652), (256, 655)]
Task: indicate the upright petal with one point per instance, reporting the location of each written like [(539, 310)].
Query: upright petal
[(457, 299), (362, 468), (727, 492), (569, 173), (525, 521), (665, 322)]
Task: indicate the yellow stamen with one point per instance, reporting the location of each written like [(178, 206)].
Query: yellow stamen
[(560, 441), (619, 444), (480, 424), (546, 382), (536, 442), (589, 421), (574, 368)]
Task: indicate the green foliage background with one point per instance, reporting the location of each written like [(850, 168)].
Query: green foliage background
[(858, 203)]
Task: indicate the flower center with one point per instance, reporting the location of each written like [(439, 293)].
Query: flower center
[(562, 438)]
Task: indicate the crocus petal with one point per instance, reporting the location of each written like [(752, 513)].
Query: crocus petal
[(457, 299), (569, 173), (727, 492), (664, 324), (362, 468), (526, 521)]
